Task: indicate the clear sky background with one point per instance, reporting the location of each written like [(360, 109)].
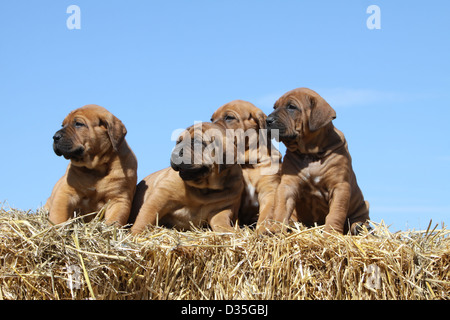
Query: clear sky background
[(161, 65)]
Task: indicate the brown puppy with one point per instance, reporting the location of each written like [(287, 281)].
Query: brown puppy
[(259, 159), (317, 176), (198, 188), (102, 167)]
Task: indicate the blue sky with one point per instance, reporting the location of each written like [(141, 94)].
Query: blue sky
[(161, 65)]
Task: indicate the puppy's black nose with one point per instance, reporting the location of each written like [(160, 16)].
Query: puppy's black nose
[(57, 136), (270, 120)]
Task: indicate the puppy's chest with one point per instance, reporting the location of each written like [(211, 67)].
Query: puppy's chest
[(312, 178), (91, 204), (93, 197), (250, 196), (182, 217)]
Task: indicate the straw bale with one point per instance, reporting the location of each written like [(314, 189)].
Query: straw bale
[(78, 260)]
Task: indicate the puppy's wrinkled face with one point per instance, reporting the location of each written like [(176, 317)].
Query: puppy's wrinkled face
[(244, 121), (239, 114), (86, 133), (298, 113), (200, 152)]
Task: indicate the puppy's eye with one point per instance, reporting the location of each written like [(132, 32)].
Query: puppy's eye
[(229, 118), (79, 124), (291, 107)]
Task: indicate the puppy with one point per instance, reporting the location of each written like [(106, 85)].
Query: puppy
[(199, 188), (102, 167), (317, 179), (259, 159)]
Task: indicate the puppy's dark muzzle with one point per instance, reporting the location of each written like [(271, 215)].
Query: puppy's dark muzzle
[(190, 171), (273, 122), (64, 147), (270, 121)]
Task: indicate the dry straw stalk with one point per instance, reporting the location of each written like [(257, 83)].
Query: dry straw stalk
[(79, 260)]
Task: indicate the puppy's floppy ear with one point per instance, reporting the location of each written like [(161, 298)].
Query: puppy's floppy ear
[(116, 130), (321, 113), (260, 118), (230, 156)]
